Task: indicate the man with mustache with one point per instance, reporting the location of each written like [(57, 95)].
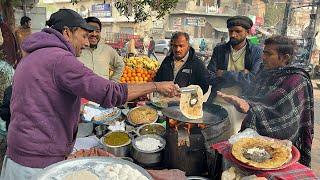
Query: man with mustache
[(182, 65), (234, 64), (100, 57)]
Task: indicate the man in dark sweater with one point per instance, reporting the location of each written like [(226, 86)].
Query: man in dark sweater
[(182, 65)]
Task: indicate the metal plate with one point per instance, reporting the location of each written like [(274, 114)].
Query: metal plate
[(212, 114), (106, 120), (59, 170), (159, 105)]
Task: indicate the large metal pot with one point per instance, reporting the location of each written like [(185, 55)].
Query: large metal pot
[(121, 150), (148, 158)]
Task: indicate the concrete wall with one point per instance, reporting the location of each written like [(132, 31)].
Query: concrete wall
[(116, 23)]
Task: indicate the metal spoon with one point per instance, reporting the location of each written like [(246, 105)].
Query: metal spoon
[(194, 99), (187, 90)]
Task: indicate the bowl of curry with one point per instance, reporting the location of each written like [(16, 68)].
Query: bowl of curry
[(153, 128), (117, 142), (142, 115)]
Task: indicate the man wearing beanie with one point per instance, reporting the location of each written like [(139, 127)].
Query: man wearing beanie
[(233, 66)]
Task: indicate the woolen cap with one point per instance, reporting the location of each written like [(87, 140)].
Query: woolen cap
[(242, 21), (68, 18)]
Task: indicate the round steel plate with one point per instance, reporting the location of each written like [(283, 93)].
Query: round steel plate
[(59, 170)]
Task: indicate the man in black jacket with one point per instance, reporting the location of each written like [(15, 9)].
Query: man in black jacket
[(182, 65), (234, 64)]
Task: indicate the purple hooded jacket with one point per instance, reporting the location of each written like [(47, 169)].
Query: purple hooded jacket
[(45, 103)]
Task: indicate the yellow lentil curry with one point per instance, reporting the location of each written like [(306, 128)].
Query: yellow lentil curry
[(116, 139)]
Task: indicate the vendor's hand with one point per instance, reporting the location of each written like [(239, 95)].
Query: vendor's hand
[(246, 71), (239, 103), (167, 88), (219, 73)]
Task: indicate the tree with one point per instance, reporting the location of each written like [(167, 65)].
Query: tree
[(142, 9), (6, 8)]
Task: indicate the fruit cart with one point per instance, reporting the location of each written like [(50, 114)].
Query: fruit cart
[(139, 69)]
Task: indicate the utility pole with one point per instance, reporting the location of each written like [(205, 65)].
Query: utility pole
[(286, 18), (314, 20), (24, 7), (317, 23)]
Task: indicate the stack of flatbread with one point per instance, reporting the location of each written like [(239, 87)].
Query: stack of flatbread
[(261, 153), (195, 111)]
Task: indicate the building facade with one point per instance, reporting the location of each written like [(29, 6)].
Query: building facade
[(105, 10)]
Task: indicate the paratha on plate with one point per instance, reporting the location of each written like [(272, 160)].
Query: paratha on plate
[(261, 153), (195, 111)]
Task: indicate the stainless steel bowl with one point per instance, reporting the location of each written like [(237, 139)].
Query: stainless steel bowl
[(134, 124), (148, 158), (119, 151), (101, 130), (155, 124)]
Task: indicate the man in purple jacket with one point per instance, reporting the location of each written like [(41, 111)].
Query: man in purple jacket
[(48, 85)]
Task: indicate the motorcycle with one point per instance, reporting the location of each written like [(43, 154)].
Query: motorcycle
[(205, 56)]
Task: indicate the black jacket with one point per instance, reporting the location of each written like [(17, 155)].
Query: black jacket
[(192, 72), (5, 107)]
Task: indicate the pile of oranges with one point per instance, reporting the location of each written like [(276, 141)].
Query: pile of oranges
[(137, 75)]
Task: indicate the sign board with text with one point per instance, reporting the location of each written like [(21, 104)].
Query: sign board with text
[(195, 21), (177, 21), (101, 10)]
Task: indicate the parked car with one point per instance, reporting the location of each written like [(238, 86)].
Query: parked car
[(162, 46)]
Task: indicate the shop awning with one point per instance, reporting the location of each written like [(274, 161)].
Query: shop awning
[(221, 29)]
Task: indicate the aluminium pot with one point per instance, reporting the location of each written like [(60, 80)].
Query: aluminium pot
[(119, 151), (148, 158)]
